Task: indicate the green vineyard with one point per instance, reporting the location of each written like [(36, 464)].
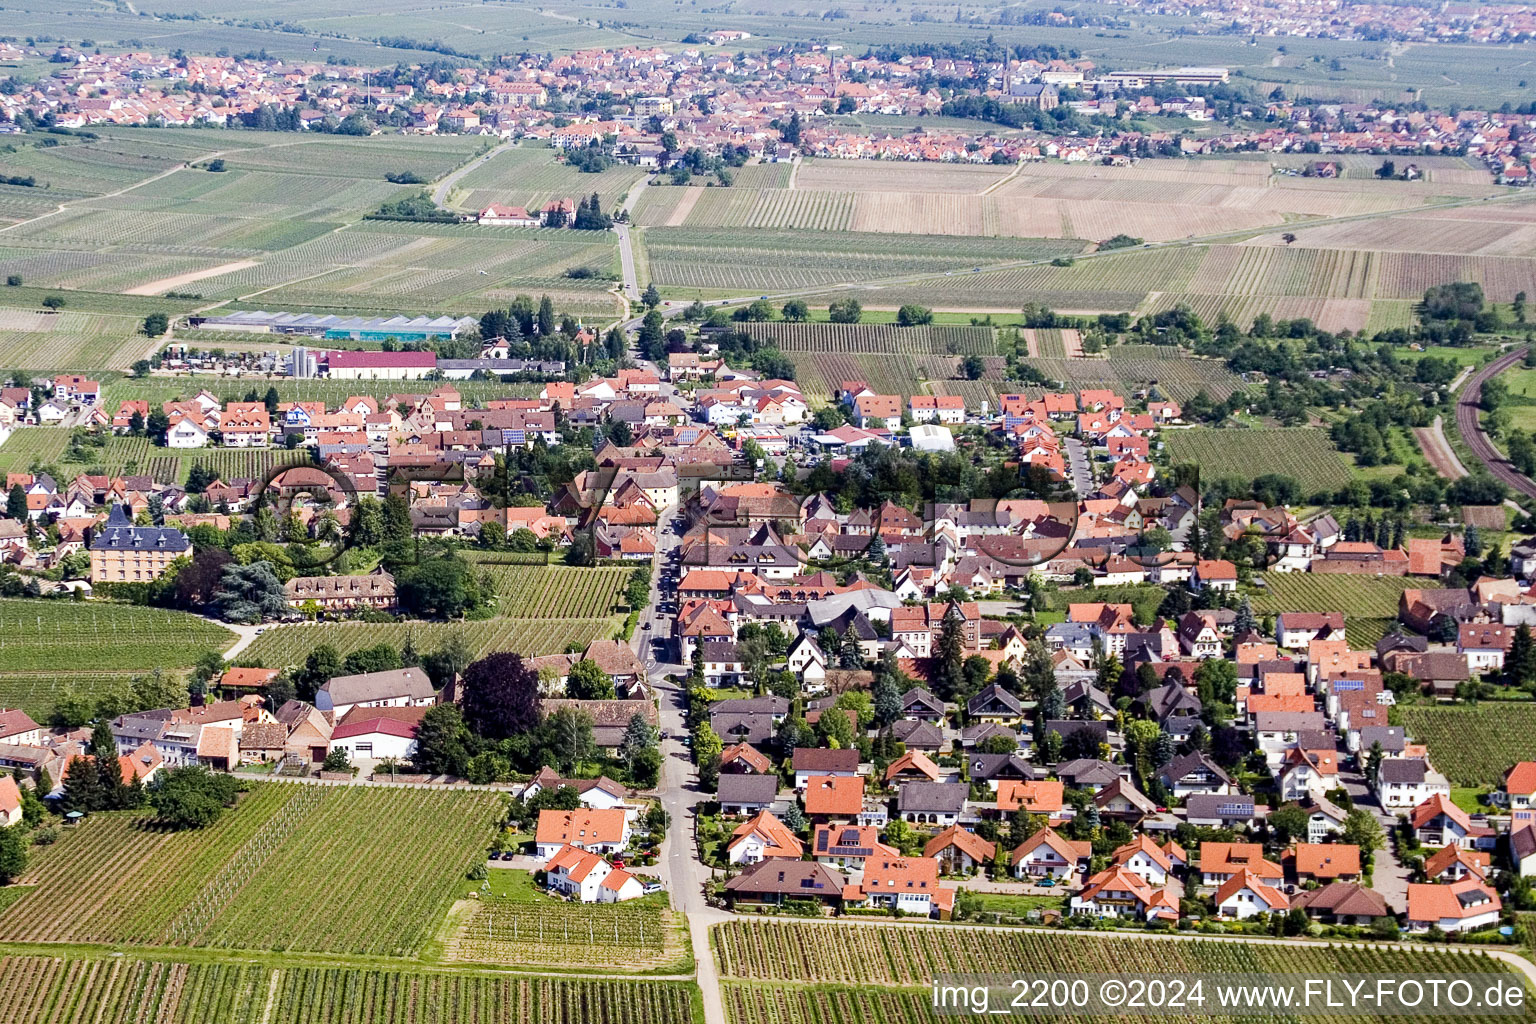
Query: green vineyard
[(68, 637), (941, 339), (281, 646), (790, 973), (1474, 746), (385, 863), (1303, 453), (83, 989)]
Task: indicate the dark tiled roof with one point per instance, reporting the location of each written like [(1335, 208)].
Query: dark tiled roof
[(119, 534)]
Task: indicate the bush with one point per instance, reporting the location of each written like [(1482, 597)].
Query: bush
[(13, 280)]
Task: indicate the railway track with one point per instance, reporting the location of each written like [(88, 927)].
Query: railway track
[(1471, 429)]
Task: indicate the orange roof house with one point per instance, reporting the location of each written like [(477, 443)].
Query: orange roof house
[(834, 796)]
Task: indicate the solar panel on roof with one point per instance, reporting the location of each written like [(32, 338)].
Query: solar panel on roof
[(1231, 808), (1341, 685)]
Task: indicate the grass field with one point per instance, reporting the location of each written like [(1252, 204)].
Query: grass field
[(390, 860), (1369, 603), (1474, 746), (86, 987), (784, 972), (1302, 453), (70, 637)]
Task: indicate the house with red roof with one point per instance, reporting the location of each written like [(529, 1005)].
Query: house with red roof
[(585, 876), (761, 837), (1245, 895), (1047, 853), (960, 852), (378, 732), (1465, 906), (1117, 892)]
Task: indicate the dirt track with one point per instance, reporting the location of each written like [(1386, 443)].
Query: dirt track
[(1438, 451)]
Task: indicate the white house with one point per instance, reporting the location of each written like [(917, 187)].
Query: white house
[(378, 732), (602, 832), (1404, 782), (1244, 895), (10, 802), (395, 688), (589, 878), (1465, 906), (601, 793), (186, 434), (1048, 854)]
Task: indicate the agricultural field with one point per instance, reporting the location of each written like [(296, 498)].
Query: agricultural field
[(391, 860), (687, 262), (79, 988), (554, 591), (1128, 368), (1303, 453), (72, 637), (36, 339), (1369, 603), (530, 176), (283, 221), (126, 456), (1473, 746), (875, 338), (281, 646), (508, 921), (157, 390), (38, 693), (780, 973)]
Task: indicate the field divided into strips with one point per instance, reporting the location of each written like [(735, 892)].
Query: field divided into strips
[(72, 637), (126, 456), (390, 860), (1475, 745), (1369, 603), (1118, 282), (554, 591), (1177, 374), (687, 261), (161, 389), (462, 269), (67, 340), (531, 176), (772, 209), (79, 168), (1303, 453), (282, 646), (75, 989), (638, 935), (876, 338), (796, 972)]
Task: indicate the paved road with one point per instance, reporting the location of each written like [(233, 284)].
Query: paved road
[(1079, 466), (443, 187), (1472, 431)]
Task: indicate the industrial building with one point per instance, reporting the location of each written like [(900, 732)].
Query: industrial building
[(354, 328)]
